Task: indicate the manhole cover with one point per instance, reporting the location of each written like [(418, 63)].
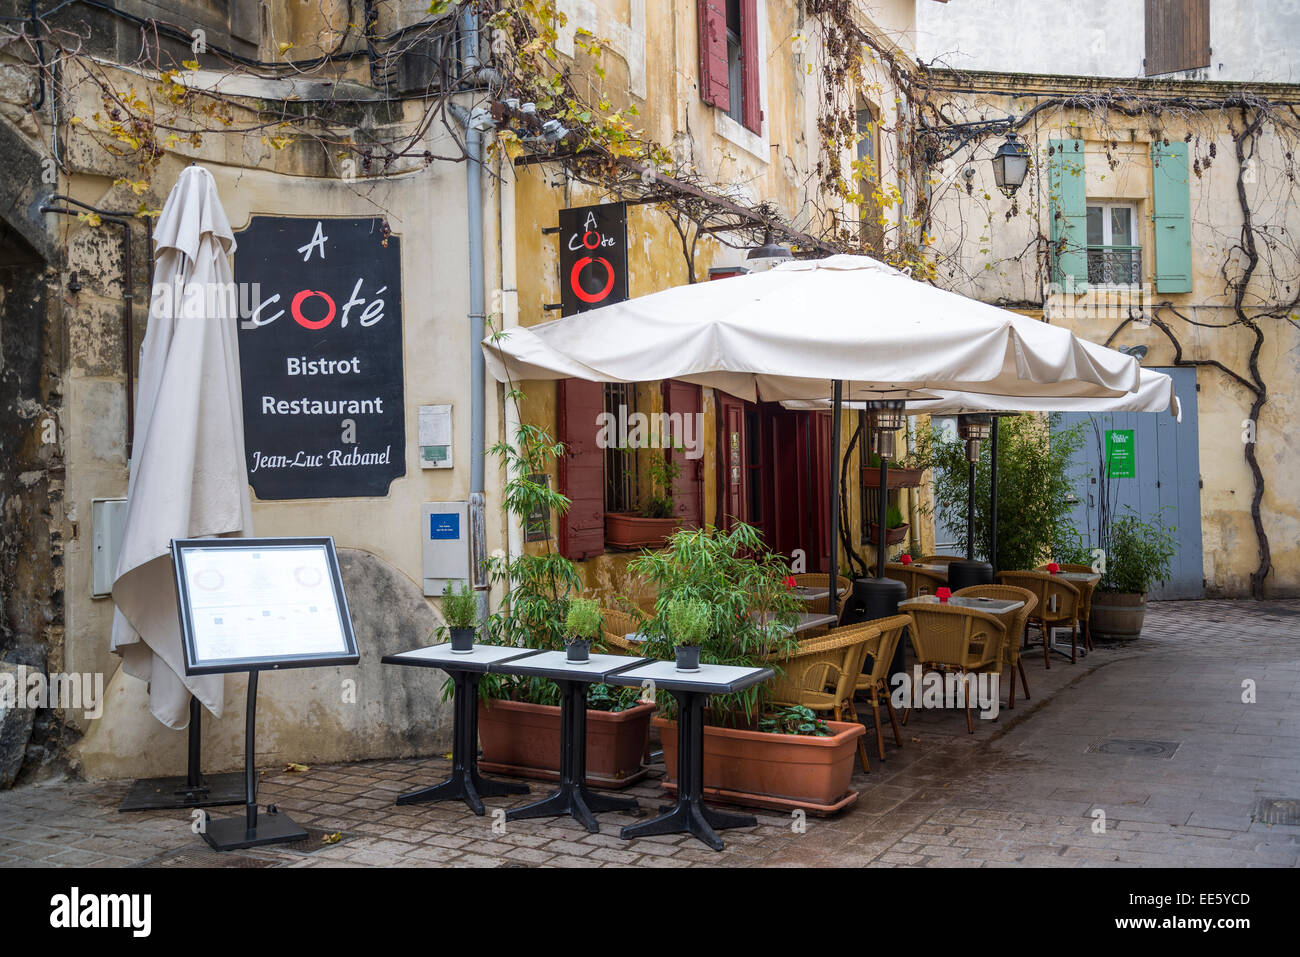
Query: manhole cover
[(1277, 811), (1135, 747), (206, 857)]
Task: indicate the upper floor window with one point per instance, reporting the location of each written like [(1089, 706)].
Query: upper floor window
[(1177, 36), (1114, 254), (729, 62)]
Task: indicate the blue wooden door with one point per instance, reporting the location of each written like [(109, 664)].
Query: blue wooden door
[(1167, 481)]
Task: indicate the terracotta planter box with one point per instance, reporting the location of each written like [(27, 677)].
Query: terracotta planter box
[(1116, 615), (625, 530), (777, 771), (523, 740), (898, 477), (893, 536)]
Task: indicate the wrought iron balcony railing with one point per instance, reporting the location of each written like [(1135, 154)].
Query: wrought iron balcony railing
[(1115, 265)]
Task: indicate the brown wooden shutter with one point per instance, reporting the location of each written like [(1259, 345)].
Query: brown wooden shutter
[(731, 460), (581, 468), (751, 110), (683, 399), (714, 89), (1177, 35)]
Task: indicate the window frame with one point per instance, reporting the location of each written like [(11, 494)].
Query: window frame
[(1106, 206)]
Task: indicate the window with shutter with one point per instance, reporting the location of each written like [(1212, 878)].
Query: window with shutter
[(1177, 36), (682, 403), (751, 112), (581, 468), (1172, 216), (714, 87), (1067, 189)]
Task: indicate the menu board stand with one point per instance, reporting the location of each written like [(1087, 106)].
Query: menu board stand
[(257, 605)]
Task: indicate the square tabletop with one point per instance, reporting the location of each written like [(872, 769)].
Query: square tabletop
[(807, 593), (806, 619), (711, 679), (936, 569), (1078, 576), (479, 659), (556, 666), (996, 606)]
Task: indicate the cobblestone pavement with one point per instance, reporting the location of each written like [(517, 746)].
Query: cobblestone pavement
[(1030, 788)]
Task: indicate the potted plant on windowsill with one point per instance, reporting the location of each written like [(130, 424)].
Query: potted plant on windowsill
[(901, 475), (651, 525), (581, 624), (519, 718), (895, 528), (1138, 554), (751, 614), (460, 610)]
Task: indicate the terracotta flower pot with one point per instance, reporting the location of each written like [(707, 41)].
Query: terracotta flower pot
[(625, 530), (1117, 615), (523, 740), (780, 771), (898, 477), (892, 535)]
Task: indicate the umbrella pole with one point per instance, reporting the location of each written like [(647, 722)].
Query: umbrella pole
[(837, 389), (993, 497)]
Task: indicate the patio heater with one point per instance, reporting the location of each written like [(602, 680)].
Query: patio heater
[(879, 597), (974, 428)]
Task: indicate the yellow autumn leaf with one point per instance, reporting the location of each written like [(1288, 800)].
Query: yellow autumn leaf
[(90, 219), (332, 838), (144, 212), (76, 121), (292, 767), (194, 65), (285, 46)]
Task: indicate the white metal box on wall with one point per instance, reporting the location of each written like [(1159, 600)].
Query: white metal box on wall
[(108, 520), (444, 528)]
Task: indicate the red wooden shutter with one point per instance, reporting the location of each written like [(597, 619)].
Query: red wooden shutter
[(820, 551), (713, 53), (731, 460), (581, 468), (751, 110), (683, 399)]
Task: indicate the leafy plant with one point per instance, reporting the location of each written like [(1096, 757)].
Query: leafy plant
[(460, 606), (1138, 554), (686, 621), (893, 517), (1035, 491), (794, 719), (603, 697), (751, 612), (583, 620), (662, 474)]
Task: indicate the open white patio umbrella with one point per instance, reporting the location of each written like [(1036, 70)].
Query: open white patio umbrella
[(188, 472), (852, 323)]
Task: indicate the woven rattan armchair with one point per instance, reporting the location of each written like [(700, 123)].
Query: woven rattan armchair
[(1058, 606), (1085, 597), (821, 674), (948, 637), (618, 625), (919, 581), (1015, 622), (942, 559), (875, 683)]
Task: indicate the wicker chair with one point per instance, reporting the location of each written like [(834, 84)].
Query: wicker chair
[(946, 636), (1015, 622), (1085, 597), (875, 682), (919, 581), (618, 624), (822, 674), (942, 559), (820, 580), (1058, 606)]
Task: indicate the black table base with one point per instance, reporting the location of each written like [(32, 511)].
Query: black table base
[(573, 798), (689, 815), (195, 789), (464, 783)]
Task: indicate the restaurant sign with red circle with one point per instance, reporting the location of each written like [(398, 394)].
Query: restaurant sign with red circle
[(593, 257)]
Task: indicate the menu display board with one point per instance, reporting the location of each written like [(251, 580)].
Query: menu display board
[(261, 603), (320, 356)]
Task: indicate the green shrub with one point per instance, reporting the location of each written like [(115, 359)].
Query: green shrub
[(460, 606), (686, 621), (1138, 554), (794, 719), (583, 620)]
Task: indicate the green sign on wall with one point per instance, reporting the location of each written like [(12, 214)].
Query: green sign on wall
[(1121, 454)]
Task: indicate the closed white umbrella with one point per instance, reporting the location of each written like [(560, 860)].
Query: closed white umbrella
[(188, 472), (788, 332)]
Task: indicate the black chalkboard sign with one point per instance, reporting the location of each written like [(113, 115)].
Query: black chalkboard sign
[(320, 356), (593, 257)]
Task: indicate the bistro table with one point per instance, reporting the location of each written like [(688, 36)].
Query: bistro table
[(572, 798), (465, 671), (692, 690), (804, 620), (994, 606), (1083, 581)]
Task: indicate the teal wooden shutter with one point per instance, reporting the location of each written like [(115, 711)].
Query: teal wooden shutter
[(1068, 194), (1172, 216)]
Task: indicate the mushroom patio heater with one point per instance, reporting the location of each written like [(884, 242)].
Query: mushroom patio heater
[(974, 428)]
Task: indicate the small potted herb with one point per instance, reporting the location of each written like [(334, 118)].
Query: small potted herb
[(581, 625), (687, 623), (460, 609)]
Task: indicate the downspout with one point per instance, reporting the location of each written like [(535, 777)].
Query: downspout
[(509, 320)]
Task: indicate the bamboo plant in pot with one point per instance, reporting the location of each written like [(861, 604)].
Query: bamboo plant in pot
[(460, 610), (1138, 554)]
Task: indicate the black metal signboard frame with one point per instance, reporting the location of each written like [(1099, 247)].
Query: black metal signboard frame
[(320, 355), (593, 257)]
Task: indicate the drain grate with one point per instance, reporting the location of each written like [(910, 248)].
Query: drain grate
[(1135, 747), (206, 857), (1277, 811)]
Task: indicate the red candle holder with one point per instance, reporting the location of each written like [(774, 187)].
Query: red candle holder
[(906, 559), (943, 594), (1053, 568)]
